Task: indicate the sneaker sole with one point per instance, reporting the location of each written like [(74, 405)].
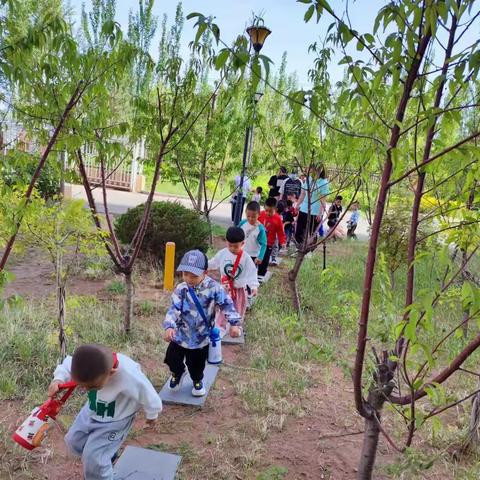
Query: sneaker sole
[(199, 393)]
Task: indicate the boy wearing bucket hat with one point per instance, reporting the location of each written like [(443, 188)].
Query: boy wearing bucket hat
[(190, 319)]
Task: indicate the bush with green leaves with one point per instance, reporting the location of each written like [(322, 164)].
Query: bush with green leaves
[(169, 222)]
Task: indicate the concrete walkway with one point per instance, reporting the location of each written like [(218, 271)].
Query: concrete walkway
[(120, 201)]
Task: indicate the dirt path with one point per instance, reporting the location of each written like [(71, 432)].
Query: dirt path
[(225, 440)]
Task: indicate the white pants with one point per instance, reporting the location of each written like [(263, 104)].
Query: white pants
[(96, 442)]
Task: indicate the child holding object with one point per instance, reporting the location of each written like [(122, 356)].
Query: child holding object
[(353, 221), (117, 389), (190, 319), (273, 224), (237, 270)]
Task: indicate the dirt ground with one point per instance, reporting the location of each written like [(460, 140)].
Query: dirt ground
[(321, 441)]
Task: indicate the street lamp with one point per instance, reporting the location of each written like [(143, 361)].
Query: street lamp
[(257, 35)]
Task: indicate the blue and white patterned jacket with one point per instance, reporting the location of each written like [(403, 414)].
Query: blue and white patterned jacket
[(191, 331)]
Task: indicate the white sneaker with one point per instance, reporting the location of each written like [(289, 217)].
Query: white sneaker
[(198, 389), (261, 278), (274, 261)]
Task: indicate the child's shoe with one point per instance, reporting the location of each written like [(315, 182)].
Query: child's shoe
[(261, 278), (176, 381), (198, 389)]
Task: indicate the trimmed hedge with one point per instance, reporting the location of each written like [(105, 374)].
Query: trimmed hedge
[(169, 222)]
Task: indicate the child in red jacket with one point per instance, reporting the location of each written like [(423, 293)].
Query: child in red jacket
[(273, 224)]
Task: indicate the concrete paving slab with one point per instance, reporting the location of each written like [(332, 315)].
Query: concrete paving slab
[(184, 396), (137, 463)]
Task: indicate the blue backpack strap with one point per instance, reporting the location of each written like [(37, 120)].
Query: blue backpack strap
[(197, 304)]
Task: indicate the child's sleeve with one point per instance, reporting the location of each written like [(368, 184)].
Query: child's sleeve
[(148, 398), (251, 273), (63, 371), (282, 238), (225, 303), (262, 241), (175, 309), (214, 263)]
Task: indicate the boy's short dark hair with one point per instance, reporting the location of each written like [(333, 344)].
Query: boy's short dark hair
[(271, 202), (253, 206), (283, 170), (289, 203), (338, 197), (90, 362), (235, 235), (259, 189)]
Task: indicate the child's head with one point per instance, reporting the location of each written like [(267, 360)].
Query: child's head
[(92, 366), (259, 190), (271, 206), (252, 212), (280, 207), (235, 239), (355, 205), (338, 199), (289, 204), (194, 266)]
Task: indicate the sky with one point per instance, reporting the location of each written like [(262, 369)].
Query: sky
[(284, 18)]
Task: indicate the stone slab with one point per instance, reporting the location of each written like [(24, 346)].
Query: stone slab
[(184, 396), (228, 340), (137, 463)]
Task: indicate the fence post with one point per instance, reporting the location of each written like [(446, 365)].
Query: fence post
[(169, 268)]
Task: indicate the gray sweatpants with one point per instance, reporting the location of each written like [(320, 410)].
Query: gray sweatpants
[(96, 442)]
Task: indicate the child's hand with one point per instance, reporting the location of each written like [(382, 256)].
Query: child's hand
[(150, 423), (53, 388), (258, 261), (169, 334), (234, 331), (254, 292)]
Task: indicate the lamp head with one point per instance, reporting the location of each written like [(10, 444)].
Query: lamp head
[(257, 35)]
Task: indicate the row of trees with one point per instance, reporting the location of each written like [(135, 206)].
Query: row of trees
[(404, 112)]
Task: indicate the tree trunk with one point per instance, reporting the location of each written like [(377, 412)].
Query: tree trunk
[(292, 279), (473, 436), (129, 297), (377, 395), (61, 304)]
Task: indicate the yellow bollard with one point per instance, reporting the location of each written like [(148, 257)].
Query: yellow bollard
[(168, 274)]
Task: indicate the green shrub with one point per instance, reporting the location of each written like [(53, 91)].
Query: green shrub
[(169, 222)]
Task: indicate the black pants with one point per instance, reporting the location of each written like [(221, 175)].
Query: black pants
[(262, 269), (234, 206), (301, 230), (195, 358), (289, 233), (351, 231)]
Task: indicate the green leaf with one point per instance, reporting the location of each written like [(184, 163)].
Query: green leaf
[(309, 13), (221, 58)]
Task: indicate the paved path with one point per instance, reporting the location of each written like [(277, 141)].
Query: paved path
[(120, 201)]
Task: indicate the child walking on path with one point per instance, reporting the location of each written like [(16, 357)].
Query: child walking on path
[(190, 319), (117, 389), (255, 234), (353, 221), (273, 224), (237, 270)]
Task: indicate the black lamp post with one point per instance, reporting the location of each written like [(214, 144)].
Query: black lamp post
[(257, 35)]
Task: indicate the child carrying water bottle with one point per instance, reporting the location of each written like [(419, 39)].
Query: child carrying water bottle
[(190, 319)]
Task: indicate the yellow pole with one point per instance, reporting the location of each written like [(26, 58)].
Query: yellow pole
[(169, 266)]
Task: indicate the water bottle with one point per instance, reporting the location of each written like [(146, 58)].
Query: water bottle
[(215, 347), (32, 431)]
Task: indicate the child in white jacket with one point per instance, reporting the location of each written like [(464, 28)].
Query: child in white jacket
[(237, 270), (117, 389)]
